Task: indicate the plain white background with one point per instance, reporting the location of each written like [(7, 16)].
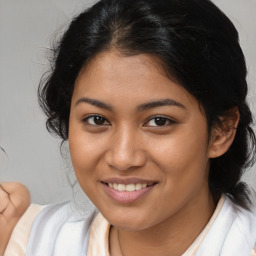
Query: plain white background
[(26, 29)]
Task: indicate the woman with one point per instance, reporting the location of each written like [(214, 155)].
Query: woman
[(151, 96)]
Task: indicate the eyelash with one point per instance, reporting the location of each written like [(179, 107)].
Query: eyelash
[(87, 118), (161, 118)]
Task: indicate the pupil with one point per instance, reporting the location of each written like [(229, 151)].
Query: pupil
[(160, 121), (99, 120)]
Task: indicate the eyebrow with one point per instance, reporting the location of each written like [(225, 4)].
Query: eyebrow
[(95, 103), (140, 108), (160, 103)]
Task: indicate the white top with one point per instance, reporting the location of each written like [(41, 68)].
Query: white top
[(58, 230)]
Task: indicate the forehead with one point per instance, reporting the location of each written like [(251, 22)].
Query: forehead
[(114, 65), (111, 75)]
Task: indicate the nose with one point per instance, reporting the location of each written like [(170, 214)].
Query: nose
[(125, 151)]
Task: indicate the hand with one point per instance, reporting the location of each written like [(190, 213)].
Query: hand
[(14, 201)]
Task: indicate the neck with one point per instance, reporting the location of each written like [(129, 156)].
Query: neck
[(171, 237)]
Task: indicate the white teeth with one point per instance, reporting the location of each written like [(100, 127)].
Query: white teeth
[(138, 186), (121, 187), (128, 187)]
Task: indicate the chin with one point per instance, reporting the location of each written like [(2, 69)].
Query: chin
[(129, 222)]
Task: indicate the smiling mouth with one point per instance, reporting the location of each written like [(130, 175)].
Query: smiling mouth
[(128, 187), (129, 190)]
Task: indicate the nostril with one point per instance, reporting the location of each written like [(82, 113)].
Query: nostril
[(123, 160)]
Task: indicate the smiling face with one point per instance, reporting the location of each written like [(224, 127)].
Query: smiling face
[(138, 142)]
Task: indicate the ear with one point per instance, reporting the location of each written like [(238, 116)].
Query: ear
[(222, 135)]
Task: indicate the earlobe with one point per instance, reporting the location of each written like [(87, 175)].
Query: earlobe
[(222, 136)]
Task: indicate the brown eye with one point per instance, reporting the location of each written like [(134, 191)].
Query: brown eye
[(96, 120), (159, 121)]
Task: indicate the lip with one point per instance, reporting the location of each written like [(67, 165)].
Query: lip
[(127, 196), (129, 180)]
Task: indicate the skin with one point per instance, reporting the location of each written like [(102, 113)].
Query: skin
[(14, 201), (129, 143)]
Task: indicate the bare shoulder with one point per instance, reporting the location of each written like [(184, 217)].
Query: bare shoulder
[(14, 201)]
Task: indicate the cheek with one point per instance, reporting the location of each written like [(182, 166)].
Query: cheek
[(183, 161), (182, 155), (84, 162), (83, 151)]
